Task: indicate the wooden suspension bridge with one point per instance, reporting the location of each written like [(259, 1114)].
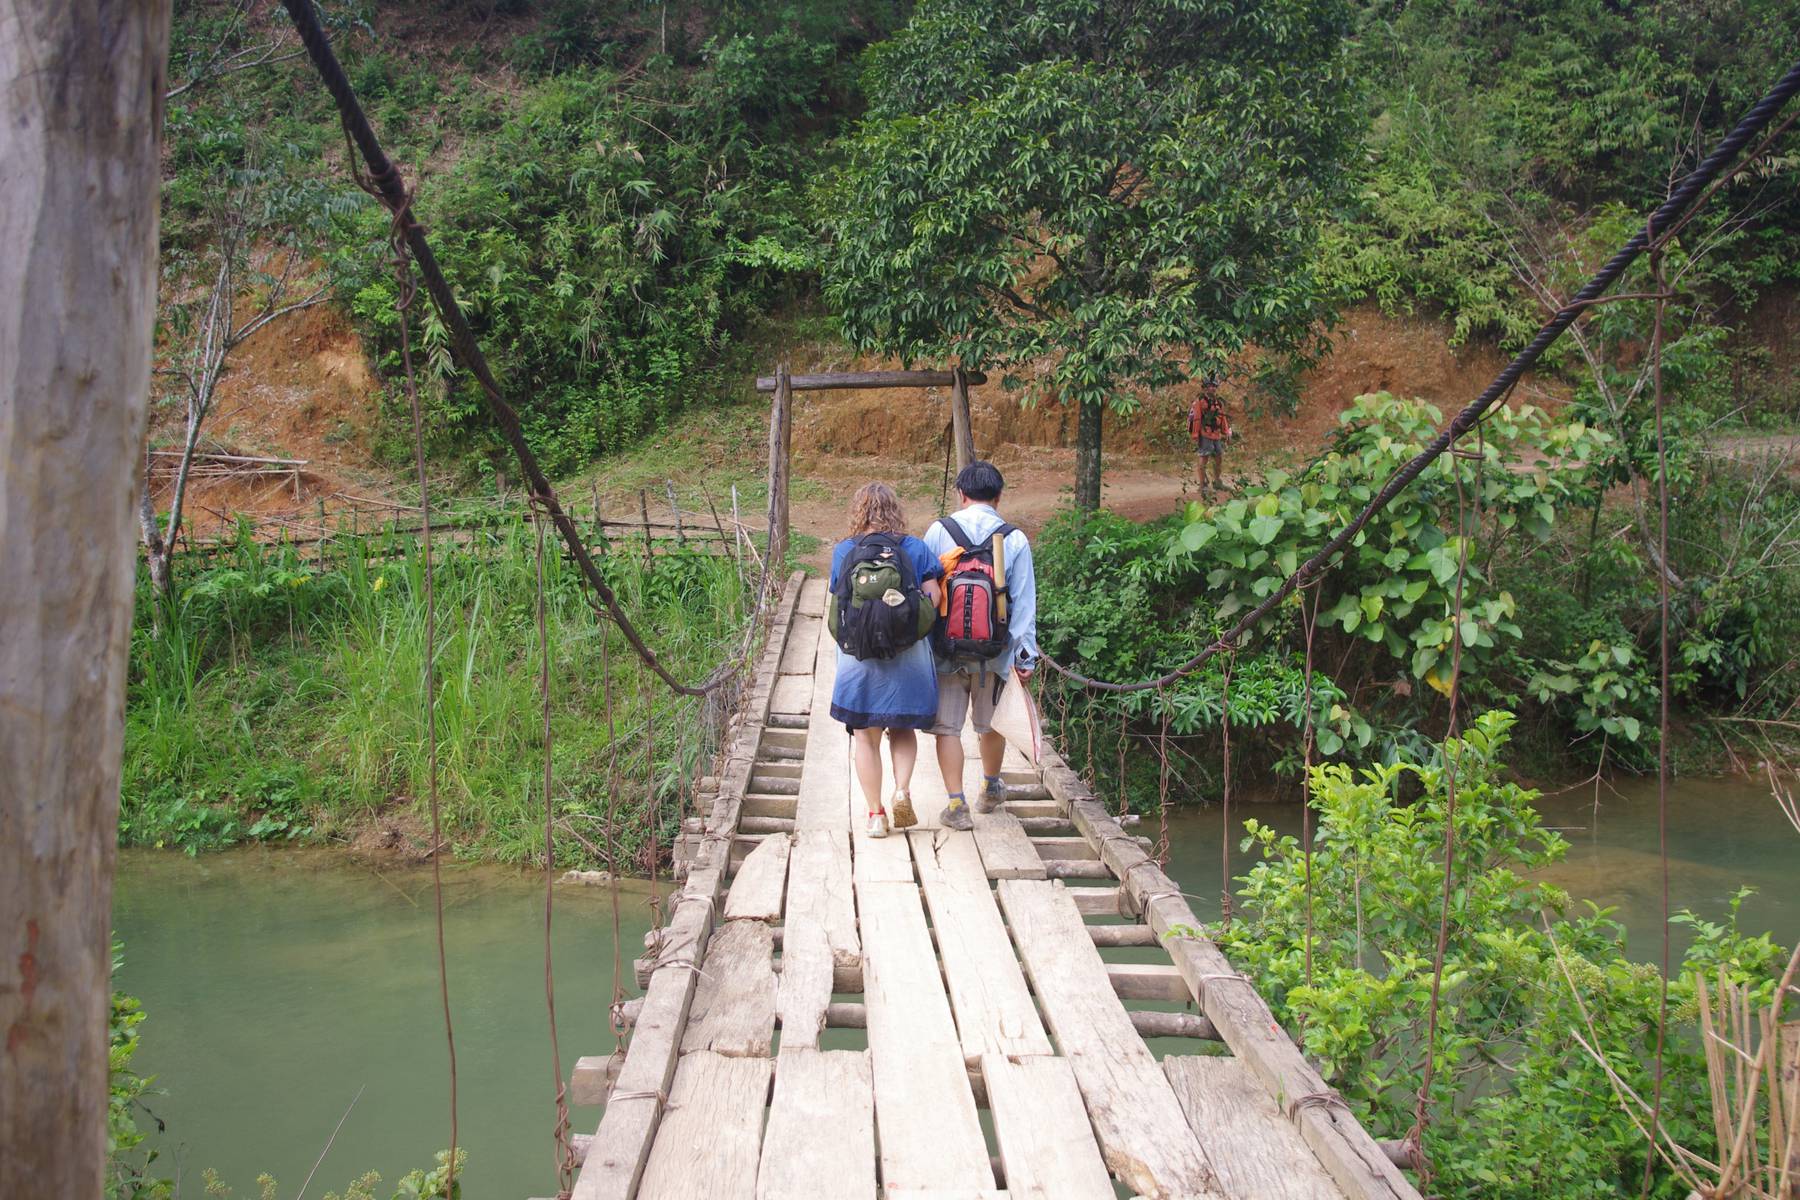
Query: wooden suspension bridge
[(997, 1052)]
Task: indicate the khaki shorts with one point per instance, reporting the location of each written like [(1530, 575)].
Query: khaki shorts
[(967, 695)]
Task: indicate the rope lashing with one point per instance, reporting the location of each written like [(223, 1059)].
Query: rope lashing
[(1686, 197)]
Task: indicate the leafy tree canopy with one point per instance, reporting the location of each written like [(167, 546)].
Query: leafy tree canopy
[(1125, 192)]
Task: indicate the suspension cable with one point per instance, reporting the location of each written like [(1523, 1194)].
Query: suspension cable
[(565, 1150), (385, 182), (403, 304), (1687, 195)]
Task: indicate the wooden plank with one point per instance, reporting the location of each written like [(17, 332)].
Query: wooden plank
[(1140, 1127), (1253, 1147), (1096, 901), (1063, 847), (804, 991), (711, 1137), (819, 892), (799, 657), (1006, 851), (812, 598), (733, 1011), (793, 694), (1148, 981), (870, 379), (1046, 1143), (825, 771), (1242, 1019), (994, 1010), (760, 884), (930, 1132), (821, 1136)]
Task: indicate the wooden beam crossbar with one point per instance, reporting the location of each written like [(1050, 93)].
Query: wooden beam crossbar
[(831, 380)]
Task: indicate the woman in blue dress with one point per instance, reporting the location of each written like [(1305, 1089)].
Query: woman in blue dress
[(897, 695)]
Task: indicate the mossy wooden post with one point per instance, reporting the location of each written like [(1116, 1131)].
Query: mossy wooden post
[(961, 428), (81, 84), (781, 441)]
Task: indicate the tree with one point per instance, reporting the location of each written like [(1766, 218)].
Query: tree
[(83, 83), (1118, 193), (243, 226)]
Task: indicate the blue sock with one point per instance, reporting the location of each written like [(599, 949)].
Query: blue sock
[(991, 780), (955, 798)]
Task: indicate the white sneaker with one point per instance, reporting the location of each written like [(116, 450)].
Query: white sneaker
[(878, 825)]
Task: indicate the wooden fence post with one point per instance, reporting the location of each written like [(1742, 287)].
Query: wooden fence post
[(675, 507), (780, 450), (83, 81), (644, 515), (961, 427)]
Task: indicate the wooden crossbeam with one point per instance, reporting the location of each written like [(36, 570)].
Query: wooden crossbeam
[(830, 380)]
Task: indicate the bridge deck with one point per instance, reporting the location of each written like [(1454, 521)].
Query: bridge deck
[(995, 1051)]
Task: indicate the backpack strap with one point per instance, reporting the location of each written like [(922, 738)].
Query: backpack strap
[(955, 530)]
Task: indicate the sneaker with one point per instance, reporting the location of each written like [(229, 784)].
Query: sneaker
[(993, 795), (901, 807), (956, 816), (878, 825)]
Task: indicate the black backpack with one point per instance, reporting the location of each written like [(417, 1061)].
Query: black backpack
[(877, 609), (974, 625)]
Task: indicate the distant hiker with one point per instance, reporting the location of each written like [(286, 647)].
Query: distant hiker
[(1210, 430), (987, 628), (883, 604)]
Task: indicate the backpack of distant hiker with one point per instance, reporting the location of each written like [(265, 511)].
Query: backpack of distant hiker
[(973, 627), (877, 610), (1206, 418)]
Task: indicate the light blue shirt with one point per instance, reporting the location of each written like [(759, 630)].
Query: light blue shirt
[(979, 521)]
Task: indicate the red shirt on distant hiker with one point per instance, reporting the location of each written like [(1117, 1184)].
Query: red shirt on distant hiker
[(1210, 430)]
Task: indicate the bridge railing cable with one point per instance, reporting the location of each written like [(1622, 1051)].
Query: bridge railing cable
[(384, 181), (1683, 201)]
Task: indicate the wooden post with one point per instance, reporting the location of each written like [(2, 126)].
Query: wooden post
[(961, 428), (82, 82), (675, 507), (780, 449), (599, 522), (644, 514)]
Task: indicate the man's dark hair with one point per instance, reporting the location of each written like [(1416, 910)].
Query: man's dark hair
[(980, 481)]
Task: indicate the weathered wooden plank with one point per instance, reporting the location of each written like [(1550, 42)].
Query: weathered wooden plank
[(825, 781), (1242, 1019), (993, 1007), (757, 890), (792, 694), (1096, 901), (1046, 1142), (1253, 1147), (870, 379), (819, 892), (930, 1131), (1140, 1127), (733, 1010), (1063, 848), (799, 657), (1148, 981), (821, 1136), (711, 1137), (1006, 851), (804, 991)]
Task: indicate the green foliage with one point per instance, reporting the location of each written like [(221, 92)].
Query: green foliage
[(128, 1164), (279, 701), (415, 1185), (1126, 191), (1518, 1107), (1396, 586), (1493, 127)]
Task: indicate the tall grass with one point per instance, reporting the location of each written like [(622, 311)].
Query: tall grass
[(277, 697)]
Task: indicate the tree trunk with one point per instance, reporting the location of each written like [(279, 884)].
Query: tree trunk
[(156, 550), (81, 84), (1087, 458)]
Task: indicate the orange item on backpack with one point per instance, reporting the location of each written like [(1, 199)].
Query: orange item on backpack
[(1206, 418)]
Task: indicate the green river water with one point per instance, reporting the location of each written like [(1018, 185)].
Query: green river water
[(280, 983)]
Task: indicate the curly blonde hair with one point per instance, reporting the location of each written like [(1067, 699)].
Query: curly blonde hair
[(876, 509)]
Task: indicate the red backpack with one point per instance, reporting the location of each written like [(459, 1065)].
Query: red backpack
[(974, 625)]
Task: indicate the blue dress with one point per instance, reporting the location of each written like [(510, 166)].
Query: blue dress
[(888, 693)]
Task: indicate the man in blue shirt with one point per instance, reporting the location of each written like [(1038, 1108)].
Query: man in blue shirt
[(969, 690)]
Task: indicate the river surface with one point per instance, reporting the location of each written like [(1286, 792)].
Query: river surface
[(280, 984)]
